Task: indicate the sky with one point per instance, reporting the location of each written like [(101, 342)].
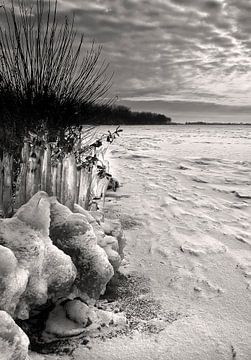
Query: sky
[(178, 57)]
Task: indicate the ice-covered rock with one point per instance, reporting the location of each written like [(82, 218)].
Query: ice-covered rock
[(109, 236), (32, 269), (48, 252), (113, 228), (72, 233), (60, 325), (78, 209), (97, 214), (78, 312), (92, 221), (75, 317), (13, 341), (13, 281), (111, 247)]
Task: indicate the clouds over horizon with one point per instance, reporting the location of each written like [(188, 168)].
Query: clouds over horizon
[(191, 50)]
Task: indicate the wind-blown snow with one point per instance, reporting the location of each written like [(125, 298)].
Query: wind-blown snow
[(190, 189)]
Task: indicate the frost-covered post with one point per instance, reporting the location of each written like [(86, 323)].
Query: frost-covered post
[(46, 178), (20, 197), (70, 181), (7, 200), (1, 186)]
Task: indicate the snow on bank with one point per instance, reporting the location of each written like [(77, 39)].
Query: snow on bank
[(185, 203)]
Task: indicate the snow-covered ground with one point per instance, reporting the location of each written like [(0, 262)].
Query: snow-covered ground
[(185, 203), (190, 188)]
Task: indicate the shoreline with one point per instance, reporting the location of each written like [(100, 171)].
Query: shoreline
[(179, 124)]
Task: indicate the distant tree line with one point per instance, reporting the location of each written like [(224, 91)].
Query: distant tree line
[(215, 123), (121, 115)]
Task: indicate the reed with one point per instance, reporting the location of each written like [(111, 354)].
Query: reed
[(48, 73)]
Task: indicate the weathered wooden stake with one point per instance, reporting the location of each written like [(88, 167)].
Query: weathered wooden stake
[(20, 197), (7, 199)]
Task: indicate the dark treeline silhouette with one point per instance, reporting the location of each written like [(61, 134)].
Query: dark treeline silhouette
[(121, 115), (214, 123)]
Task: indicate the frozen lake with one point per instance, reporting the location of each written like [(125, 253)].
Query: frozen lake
[(222, 142), (188, 189)]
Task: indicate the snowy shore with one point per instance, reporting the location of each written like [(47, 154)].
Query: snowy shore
[(185, 206)]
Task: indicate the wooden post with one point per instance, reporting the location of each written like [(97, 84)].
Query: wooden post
[(89, 189), (78, 186), (7, 163), (59, 180), (46, 171), (1, 184), (64, 180), (37, 170), (82, 187), (20, 197), (33, 172), (30, 176), (70, 185), (54, 180)]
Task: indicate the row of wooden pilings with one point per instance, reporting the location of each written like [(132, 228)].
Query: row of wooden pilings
[(37, 172)]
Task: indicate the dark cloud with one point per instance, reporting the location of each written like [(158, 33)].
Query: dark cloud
[(188, 49), (213, 5)]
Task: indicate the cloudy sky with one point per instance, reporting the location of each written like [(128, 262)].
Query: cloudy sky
[(173, 51), (173, 55)]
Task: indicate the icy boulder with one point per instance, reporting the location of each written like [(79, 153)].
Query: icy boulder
[(32, 269), (111, 247), (109, 235), (13, 280), (112, 227), (75, 317), (89, 217), (13, 341), (73, 233)]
